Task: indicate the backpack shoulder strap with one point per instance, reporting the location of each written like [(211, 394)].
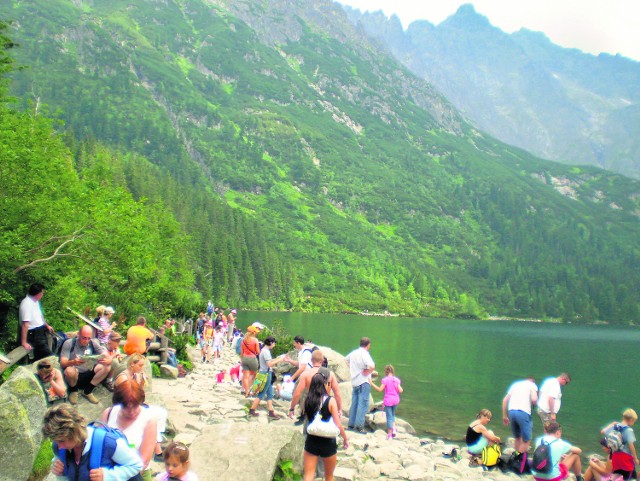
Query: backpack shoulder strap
[(97, 444)]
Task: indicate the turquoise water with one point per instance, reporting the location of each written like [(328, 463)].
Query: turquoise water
[(453, 368)]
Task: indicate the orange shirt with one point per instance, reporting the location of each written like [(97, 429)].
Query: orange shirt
[(250, 347), (136, 340)]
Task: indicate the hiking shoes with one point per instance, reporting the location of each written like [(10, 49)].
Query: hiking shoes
[(73, 397), (252, 412), (91, 398), (274, 416)]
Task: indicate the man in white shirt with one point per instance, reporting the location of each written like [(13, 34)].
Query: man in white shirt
[(550, 397), (516, 410), (361, 366), (33, 327)]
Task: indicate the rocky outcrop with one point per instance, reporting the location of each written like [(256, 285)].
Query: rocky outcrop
[(22, 403)]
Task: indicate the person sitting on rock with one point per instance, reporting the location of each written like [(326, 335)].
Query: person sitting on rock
[(113, 351), (478, 436), (134, 371), (51, 380), (138, 338), (77, 371)]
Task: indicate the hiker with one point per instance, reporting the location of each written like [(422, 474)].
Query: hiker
[(478, 436), (51, 380), (563, 456), (601, 470), (104, 321), (33, 326), (68, 430), (624, 458), (134, 371), (319, 401), (138, 338), (550, 395), (249, 351), (390, 384), (176, 463), (361, 366), (266, 362), (231, 324), (207, 341), (78, 372), (302, 386), (516, 411), (304, 356), (130, 415), (113, 351)]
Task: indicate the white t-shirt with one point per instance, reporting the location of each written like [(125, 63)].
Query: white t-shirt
[(550, 388), (520, 394), (359, 360), (30, 312), (304, 356)]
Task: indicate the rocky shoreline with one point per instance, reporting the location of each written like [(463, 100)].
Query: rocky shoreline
[(226, 444)]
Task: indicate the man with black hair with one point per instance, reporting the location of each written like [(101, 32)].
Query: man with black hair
[(33, 327)]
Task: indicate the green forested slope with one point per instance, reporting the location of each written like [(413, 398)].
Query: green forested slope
[(303, 169)]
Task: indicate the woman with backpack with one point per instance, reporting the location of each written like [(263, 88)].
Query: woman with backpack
[(130, 415), (319, 401), (77, 457)]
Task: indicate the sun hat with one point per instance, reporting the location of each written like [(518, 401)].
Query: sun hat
[(258, 325), (109, 310)]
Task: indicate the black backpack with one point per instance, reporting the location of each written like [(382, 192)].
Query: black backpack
[(542, 461)]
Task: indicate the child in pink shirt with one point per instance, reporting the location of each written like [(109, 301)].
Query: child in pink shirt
[(390, 384)]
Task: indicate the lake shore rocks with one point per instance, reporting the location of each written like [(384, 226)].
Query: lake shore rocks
[(226, 443)]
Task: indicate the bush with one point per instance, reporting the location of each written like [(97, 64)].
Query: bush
[(42, 463), (284, 340)]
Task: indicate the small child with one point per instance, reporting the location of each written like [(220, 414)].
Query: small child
[(286, 391), (176, 462), (235, 373), (220, 376), (390, 384), (625, 459), (218, 340)]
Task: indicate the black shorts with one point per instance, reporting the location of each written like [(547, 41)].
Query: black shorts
[(323, 447), (84, 378)]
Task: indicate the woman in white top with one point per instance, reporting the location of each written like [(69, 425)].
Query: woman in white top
[(135, 420)]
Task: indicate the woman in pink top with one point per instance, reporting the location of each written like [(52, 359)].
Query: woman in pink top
[(390, 384)]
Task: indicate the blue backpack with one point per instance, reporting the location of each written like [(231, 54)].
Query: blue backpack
[(239, 345), (103, 446)]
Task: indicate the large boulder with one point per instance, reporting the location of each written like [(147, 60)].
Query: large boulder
[(22, 405), (336, 363), (221, 451)]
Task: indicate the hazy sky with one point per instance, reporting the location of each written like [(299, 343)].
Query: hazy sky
[(593, 26)]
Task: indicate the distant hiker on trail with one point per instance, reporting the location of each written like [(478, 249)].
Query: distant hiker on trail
[(138, 338), (33, 327), (210, 307), (563, 456), (390, 384), (624, 458), (550, 396), (69, 431), (77, 371), (516, 411), (231, 324), (361, 366)]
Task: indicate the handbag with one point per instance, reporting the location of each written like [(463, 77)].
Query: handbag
[(259, 383), (323, 429)]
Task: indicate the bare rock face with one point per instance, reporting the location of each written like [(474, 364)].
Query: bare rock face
[(22, 404), (267, 445)]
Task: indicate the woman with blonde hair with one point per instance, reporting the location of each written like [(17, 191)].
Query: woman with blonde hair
[(72, 443), (249, 352), (134, 371), (478, 436)]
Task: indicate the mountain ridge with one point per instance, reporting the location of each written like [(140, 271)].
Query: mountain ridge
[(363, 176)]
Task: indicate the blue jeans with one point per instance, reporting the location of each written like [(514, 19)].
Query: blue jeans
[(359, 404), (390, 411)]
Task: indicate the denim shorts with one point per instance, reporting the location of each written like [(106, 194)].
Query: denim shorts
[(521, 425)]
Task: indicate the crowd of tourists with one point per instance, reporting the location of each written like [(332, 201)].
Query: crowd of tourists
[(552, 457)]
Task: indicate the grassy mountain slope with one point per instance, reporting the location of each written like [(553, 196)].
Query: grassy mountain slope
[(363, 177)]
